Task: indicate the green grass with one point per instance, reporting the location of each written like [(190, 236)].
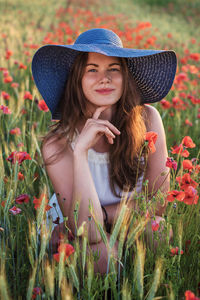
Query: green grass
[(25, 260)]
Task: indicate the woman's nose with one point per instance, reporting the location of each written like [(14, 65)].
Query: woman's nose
[(105, 77)]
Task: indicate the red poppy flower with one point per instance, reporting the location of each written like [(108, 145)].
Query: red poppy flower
[(171, 163), (187, 164), (5, 72), (186, 181), (42, 105), (20, 176), (195, 56), (191, 196), (28, 95), (23, 111), (19, 156), (187, 122), (38, 202), (154, 225), (36, 291), (180, 150), (24, 198), (68, 249), (22, 66), (15, 210), (9, 53), (165, 104), (190, 296), (5, 95), (20, 145), (175, 195), (151, 137), (3, 203), (7, 79), (175, 251), (188, 142), (197, 169), (15, 85), (15, 131), (5, 109)]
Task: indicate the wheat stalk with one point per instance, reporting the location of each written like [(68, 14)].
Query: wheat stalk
[(156, 279), (139, 269), (31, 284), (3, 287), (49, 279)]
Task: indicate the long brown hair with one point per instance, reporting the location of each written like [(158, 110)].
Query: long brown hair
[(125, 155)]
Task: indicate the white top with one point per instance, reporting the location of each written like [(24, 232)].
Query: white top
[(99, 168)]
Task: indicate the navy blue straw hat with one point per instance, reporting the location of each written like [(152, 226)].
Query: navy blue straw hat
[(152, 70)]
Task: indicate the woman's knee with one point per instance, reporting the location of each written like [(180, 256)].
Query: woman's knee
[(101, 252)]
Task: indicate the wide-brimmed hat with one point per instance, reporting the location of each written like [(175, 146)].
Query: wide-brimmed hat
[(152, 70)]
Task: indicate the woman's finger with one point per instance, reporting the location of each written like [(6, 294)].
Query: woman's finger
[(98, 111), (106, 123)]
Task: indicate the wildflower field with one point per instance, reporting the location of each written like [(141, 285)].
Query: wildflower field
[(28, 269)]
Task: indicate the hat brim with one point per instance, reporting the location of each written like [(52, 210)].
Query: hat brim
[(153, 70)]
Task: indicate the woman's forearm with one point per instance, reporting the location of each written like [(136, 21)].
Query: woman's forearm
[(85, 193)]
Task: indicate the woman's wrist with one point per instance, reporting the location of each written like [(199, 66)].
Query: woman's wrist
[(79, 153)]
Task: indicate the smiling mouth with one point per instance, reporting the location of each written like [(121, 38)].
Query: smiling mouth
[(104, 91)]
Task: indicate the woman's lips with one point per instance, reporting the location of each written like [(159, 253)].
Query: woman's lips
[(104, 91)]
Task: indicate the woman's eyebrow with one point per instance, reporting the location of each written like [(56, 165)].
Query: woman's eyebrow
[(95, 65), (118, 64), (92, 64)]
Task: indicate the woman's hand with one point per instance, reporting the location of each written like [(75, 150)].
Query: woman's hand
[(94, 128)]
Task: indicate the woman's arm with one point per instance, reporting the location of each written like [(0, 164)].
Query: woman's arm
[(71, 176), (156, 172)]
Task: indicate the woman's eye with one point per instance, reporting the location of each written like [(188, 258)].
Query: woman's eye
[(92, 70), (114, 70)]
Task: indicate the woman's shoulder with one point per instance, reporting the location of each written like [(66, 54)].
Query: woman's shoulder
[(54, 146), (152, 117)]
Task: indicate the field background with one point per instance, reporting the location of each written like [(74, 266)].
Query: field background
[(24, 27)]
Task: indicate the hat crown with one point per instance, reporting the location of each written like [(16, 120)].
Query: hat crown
[(99, 36)]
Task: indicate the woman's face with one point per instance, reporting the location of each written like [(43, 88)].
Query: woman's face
[(102, 81)]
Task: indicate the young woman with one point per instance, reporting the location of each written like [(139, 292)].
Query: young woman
[(99, 92)]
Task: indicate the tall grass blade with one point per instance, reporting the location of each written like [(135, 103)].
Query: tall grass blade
[(84, 250), (134, 234), (30, 255), (61, 267), (40, 214), (170, 293), (3, 288), (156, 279), (49, 279), (126, 291), (31, 284), (66, 291), (121, 241), (44, 241), (8, 201), (139, 269), (102, 233), (117, 227), (33, 236), (90, 271), (74, 277)]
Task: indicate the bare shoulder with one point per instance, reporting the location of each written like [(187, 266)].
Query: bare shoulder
[(58, 159), (54, 146), (152, 117)]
